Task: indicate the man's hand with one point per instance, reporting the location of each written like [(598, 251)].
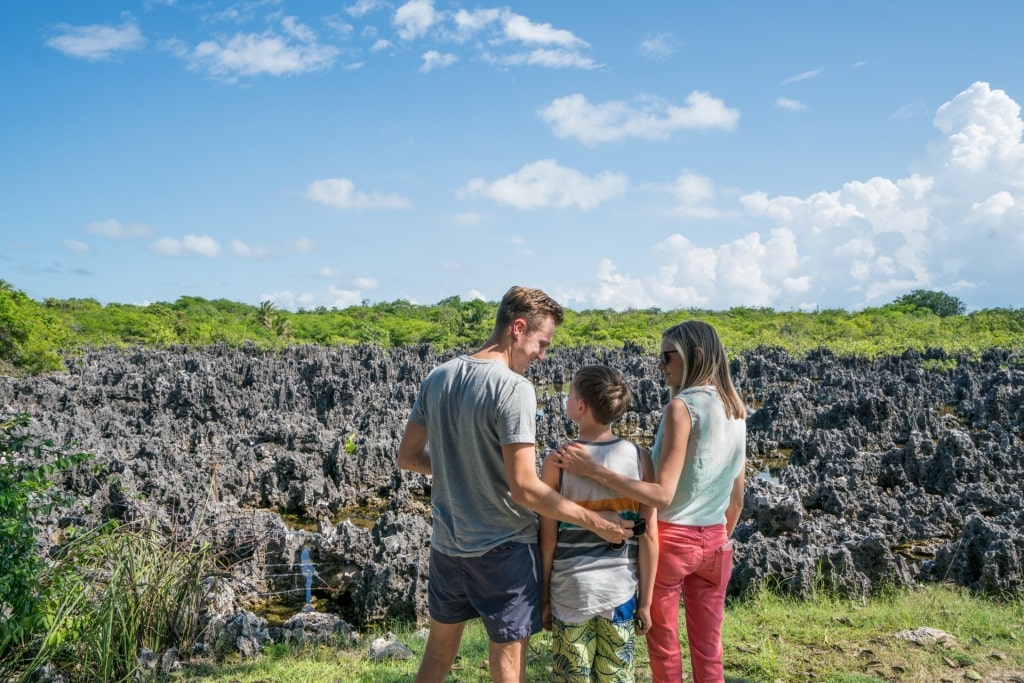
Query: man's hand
[(612, 528)]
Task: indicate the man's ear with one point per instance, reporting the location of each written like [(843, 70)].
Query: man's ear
[(518, 327)]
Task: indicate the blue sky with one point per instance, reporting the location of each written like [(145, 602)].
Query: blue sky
[(795, 155)]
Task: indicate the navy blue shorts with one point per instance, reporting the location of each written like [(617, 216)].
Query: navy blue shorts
[(502, 587)]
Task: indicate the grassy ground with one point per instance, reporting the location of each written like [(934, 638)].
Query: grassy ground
[(767, 639)]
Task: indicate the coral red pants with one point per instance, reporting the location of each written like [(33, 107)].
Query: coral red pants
[(693, 562)]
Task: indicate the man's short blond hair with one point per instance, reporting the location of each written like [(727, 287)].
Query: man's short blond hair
[(532, 305)]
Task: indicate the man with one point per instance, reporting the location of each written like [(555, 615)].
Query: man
[(480, 415)]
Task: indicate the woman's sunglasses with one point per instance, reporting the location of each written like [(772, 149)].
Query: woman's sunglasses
[(665, 354)]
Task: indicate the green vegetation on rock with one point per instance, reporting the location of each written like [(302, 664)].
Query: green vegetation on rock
[(33, 335)]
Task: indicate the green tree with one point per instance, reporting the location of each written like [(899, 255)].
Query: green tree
[(939, 303)]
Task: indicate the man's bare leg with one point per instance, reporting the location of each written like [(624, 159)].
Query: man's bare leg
[(442, 648), (508, 661)]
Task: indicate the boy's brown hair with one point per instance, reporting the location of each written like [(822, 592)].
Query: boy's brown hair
[(604, 390)]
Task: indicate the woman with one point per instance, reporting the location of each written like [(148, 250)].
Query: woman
[(699, 459)]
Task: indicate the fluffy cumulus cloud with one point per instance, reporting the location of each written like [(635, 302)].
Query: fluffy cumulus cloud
[(341, 193), (951, 224), (648, 118), (97, 42), (546, 184), (294, 50), (414, 18)]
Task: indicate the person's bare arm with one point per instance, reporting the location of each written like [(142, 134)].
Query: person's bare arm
[(528, 490), (647, 561), (732, 513), (412, 451), (548, 541), (657, 493)]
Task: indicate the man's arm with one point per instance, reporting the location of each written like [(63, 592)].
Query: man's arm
[(412, 452), (528, 490)]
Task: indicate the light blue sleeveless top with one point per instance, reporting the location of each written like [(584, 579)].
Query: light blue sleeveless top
[(715, 456)]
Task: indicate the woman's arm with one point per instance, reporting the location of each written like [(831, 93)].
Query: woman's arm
[(647, 563), (548, 541), (658, 493), (732, 513)]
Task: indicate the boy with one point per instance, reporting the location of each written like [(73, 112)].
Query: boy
[(597, 595)]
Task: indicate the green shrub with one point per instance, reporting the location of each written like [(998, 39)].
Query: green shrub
[(27, 465)]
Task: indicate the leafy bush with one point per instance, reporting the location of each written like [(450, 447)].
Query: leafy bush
[(939, 303), (27, 465)]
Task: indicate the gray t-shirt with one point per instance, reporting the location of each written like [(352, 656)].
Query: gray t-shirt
[(470, 408)]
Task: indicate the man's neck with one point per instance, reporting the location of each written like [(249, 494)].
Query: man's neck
[(495, 349)]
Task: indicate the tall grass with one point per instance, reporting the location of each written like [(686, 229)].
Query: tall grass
[(115, 591)]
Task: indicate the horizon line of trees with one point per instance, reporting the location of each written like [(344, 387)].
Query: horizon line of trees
[(35, 334)]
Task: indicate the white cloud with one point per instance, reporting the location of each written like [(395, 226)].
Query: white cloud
[(551, 59), (414, 18), (803, 76), (196, 244), (366, 283), (289, 300), (76, 246), (97, 42), (344, 298), (521, 29), (329, 273), (790, 105), (468, 22), (995, 206), (952, 225), (435, 60), (364, 7), (650, 118), (269, 53), (116, 230), (983, 132), (474, 295), (342, 28), (380, 44), (694, 193), (245, 250), (341, 193), (545, 184), (659, 47), (304, 244)]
